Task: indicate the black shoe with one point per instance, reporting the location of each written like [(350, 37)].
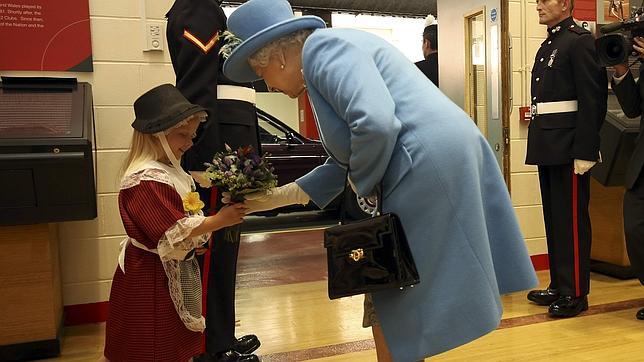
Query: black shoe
[(246, 344), (567, 306), (234, 356), (640, 314), (543, 297)]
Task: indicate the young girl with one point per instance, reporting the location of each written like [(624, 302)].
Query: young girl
[(155, 301)]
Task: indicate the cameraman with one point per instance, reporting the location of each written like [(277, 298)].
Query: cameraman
[(630, 94)]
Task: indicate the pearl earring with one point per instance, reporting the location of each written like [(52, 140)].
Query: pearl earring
[(282, 66)]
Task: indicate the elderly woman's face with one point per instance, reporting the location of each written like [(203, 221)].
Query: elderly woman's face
[(283, 74)]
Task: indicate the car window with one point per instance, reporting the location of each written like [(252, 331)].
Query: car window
[(269, 133)]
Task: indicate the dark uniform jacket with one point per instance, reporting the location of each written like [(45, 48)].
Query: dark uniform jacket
[(429, 67), (566, 68), (194, 40), (630, 97)]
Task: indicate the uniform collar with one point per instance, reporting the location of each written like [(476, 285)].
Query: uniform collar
[(566, 23)]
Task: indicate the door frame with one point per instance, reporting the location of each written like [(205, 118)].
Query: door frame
[(467, 32), (506, 87)]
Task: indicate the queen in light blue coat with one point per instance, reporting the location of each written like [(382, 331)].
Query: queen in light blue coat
[(380, 116)]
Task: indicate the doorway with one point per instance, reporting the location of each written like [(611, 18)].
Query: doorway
[(476, 75), (475, 65)]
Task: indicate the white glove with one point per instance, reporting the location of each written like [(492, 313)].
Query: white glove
[(288, 194), (582, 166), (201, 179)]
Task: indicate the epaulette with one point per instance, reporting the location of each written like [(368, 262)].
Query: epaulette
[(578, 30)]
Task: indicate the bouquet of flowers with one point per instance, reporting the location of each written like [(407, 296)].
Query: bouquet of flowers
[(240, 172)]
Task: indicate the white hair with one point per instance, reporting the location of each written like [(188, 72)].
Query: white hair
[(262, 57)]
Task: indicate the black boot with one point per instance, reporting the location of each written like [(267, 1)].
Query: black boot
[(568, 306), (543, 297)]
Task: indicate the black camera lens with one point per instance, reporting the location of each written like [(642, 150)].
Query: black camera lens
[(613, 49)]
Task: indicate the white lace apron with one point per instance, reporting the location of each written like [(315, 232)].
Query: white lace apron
[(174, 248)]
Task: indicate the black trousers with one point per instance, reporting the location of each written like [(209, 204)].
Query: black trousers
[(634, 226), (565, 198), (222, 276)]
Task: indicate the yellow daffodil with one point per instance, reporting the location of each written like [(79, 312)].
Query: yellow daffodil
[(192, 203)]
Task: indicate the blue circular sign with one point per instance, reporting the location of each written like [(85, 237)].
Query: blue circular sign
[(493, 15)]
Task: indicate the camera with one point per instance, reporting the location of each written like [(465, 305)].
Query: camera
[(615, 48)]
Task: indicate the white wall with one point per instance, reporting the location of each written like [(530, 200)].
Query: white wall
[(404, 33), (280, 106), (527, 36)]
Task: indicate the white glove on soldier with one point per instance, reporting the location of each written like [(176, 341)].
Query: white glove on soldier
[(288, 194), (582, 166)]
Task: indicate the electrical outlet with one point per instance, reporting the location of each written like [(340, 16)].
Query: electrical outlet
[(154, 36)]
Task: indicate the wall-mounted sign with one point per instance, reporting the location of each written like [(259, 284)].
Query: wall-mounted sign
[(45, 35), (493, 15)]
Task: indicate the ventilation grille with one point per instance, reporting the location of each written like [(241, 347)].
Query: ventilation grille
[(35, 115)]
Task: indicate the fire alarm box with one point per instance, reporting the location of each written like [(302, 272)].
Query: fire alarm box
[(525, 116)]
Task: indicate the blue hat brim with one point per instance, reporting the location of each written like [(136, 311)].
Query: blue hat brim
[(236, 67)]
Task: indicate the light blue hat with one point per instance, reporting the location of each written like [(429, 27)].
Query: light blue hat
[(257, 23)]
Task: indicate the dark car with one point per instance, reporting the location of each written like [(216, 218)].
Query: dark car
[(293, 155)]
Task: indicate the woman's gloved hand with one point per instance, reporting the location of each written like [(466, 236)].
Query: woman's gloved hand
[(285, 195)]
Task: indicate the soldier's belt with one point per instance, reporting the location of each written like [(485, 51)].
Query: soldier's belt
[(236, 92), (554, 107)]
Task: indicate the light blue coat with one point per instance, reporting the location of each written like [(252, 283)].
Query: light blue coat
[(377, 112)]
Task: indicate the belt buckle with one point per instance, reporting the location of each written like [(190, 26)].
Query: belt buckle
[(533, 110)]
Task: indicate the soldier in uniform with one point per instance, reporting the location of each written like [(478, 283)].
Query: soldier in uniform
[(630, 94), (194, 40), (569, 95)]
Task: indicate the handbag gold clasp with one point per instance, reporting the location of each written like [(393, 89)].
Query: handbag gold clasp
[(357, 254)]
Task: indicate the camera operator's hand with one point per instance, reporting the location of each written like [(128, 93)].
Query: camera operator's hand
[(638, 46), (638, 49)]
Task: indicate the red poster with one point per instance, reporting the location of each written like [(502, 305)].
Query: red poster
[(45, 35), (585, 10)]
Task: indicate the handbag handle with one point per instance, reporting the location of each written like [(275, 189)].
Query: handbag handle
[(343, 212)]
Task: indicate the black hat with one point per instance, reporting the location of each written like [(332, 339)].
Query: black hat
[(161, 108)]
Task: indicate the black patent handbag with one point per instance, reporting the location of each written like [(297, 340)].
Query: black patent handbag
[(368, 255)]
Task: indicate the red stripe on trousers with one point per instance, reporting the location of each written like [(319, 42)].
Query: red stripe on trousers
[(575, 232), (206, 267)]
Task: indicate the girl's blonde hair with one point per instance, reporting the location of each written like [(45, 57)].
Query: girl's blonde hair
[(146, 147), (262, 57)]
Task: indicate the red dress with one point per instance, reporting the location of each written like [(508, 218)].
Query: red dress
[(143, 324)]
